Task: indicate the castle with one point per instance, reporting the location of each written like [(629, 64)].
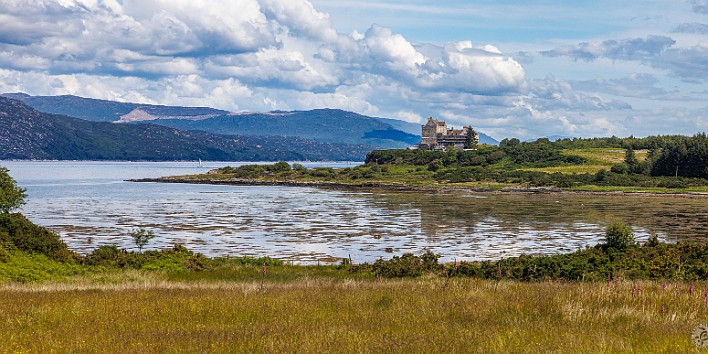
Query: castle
[(436, 136)]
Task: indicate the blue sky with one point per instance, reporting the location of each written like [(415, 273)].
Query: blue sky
[(508, 68)]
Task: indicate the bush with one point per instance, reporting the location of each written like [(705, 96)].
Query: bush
[(407, 265), (176, 259), (16, 230), (620, 168), (619, 236), (107, 256)]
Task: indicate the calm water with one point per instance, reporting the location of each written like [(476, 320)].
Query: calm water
[(89, 204)]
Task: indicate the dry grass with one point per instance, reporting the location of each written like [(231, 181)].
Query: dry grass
[(143, 312)]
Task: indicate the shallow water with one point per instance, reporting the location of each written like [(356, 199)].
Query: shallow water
[(89, 204)]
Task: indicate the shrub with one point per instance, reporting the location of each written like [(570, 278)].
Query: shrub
[(620, 168), (407, 265), (178, 258), (107, 256), (16, 230), (619, 235), (281, 166)]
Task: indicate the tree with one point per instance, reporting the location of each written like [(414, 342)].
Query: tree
[(682, 156), (510, 142), (11, 196), (472, 140), (141, 237), (629, 157)]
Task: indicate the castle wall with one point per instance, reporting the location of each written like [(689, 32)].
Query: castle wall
[(436, 136)]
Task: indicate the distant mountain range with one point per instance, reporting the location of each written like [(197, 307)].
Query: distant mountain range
[(321, 134), (26, 133)]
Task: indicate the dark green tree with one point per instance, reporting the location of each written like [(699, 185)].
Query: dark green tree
[(630, 158), (511, 142), (472, 140), (683, 156), (11, 196)]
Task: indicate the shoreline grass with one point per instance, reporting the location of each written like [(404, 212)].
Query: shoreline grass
[(427, 314)]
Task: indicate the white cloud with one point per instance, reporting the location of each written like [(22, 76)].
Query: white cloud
[(476, 70), (213, 27), (300, 17), (408, 116), (258, 55)]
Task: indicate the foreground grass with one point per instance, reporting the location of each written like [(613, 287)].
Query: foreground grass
[(144, 312)]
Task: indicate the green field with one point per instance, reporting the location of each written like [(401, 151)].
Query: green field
[(597, 159)]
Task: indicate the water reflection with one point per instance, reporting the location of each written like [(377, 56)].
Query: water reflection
[(311, 224)]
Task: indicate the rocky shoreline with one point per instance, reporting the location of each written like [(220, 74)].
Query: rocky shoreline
[(407, 188)]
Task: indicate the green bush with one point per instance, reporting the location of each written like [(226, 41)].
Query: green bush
[(18, 231), (619, 235), (407, 265), (178, 258)]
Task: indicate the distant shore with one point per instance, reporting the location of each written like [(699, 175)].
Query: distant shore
[(408, 188)]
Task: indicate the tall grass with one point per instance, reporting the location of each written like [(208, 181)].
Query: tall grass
[(149, 314)]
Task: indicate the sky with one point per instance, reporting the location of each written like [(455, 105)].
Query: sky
[(509, 68)]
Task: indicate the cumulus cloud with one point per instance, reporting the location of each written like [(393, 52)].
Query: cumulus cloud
[(301, 18), (625, 49), (453, 67), (272, 68), (208, 27), (463, 67), (260, 55), (263, 43)]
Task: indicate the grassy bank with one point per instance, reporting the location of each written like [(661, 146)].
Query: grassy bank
[(150, 314), (521, 167)]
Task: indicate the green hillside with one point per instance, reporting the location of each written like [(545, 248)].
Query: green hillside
[(28, 134)]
